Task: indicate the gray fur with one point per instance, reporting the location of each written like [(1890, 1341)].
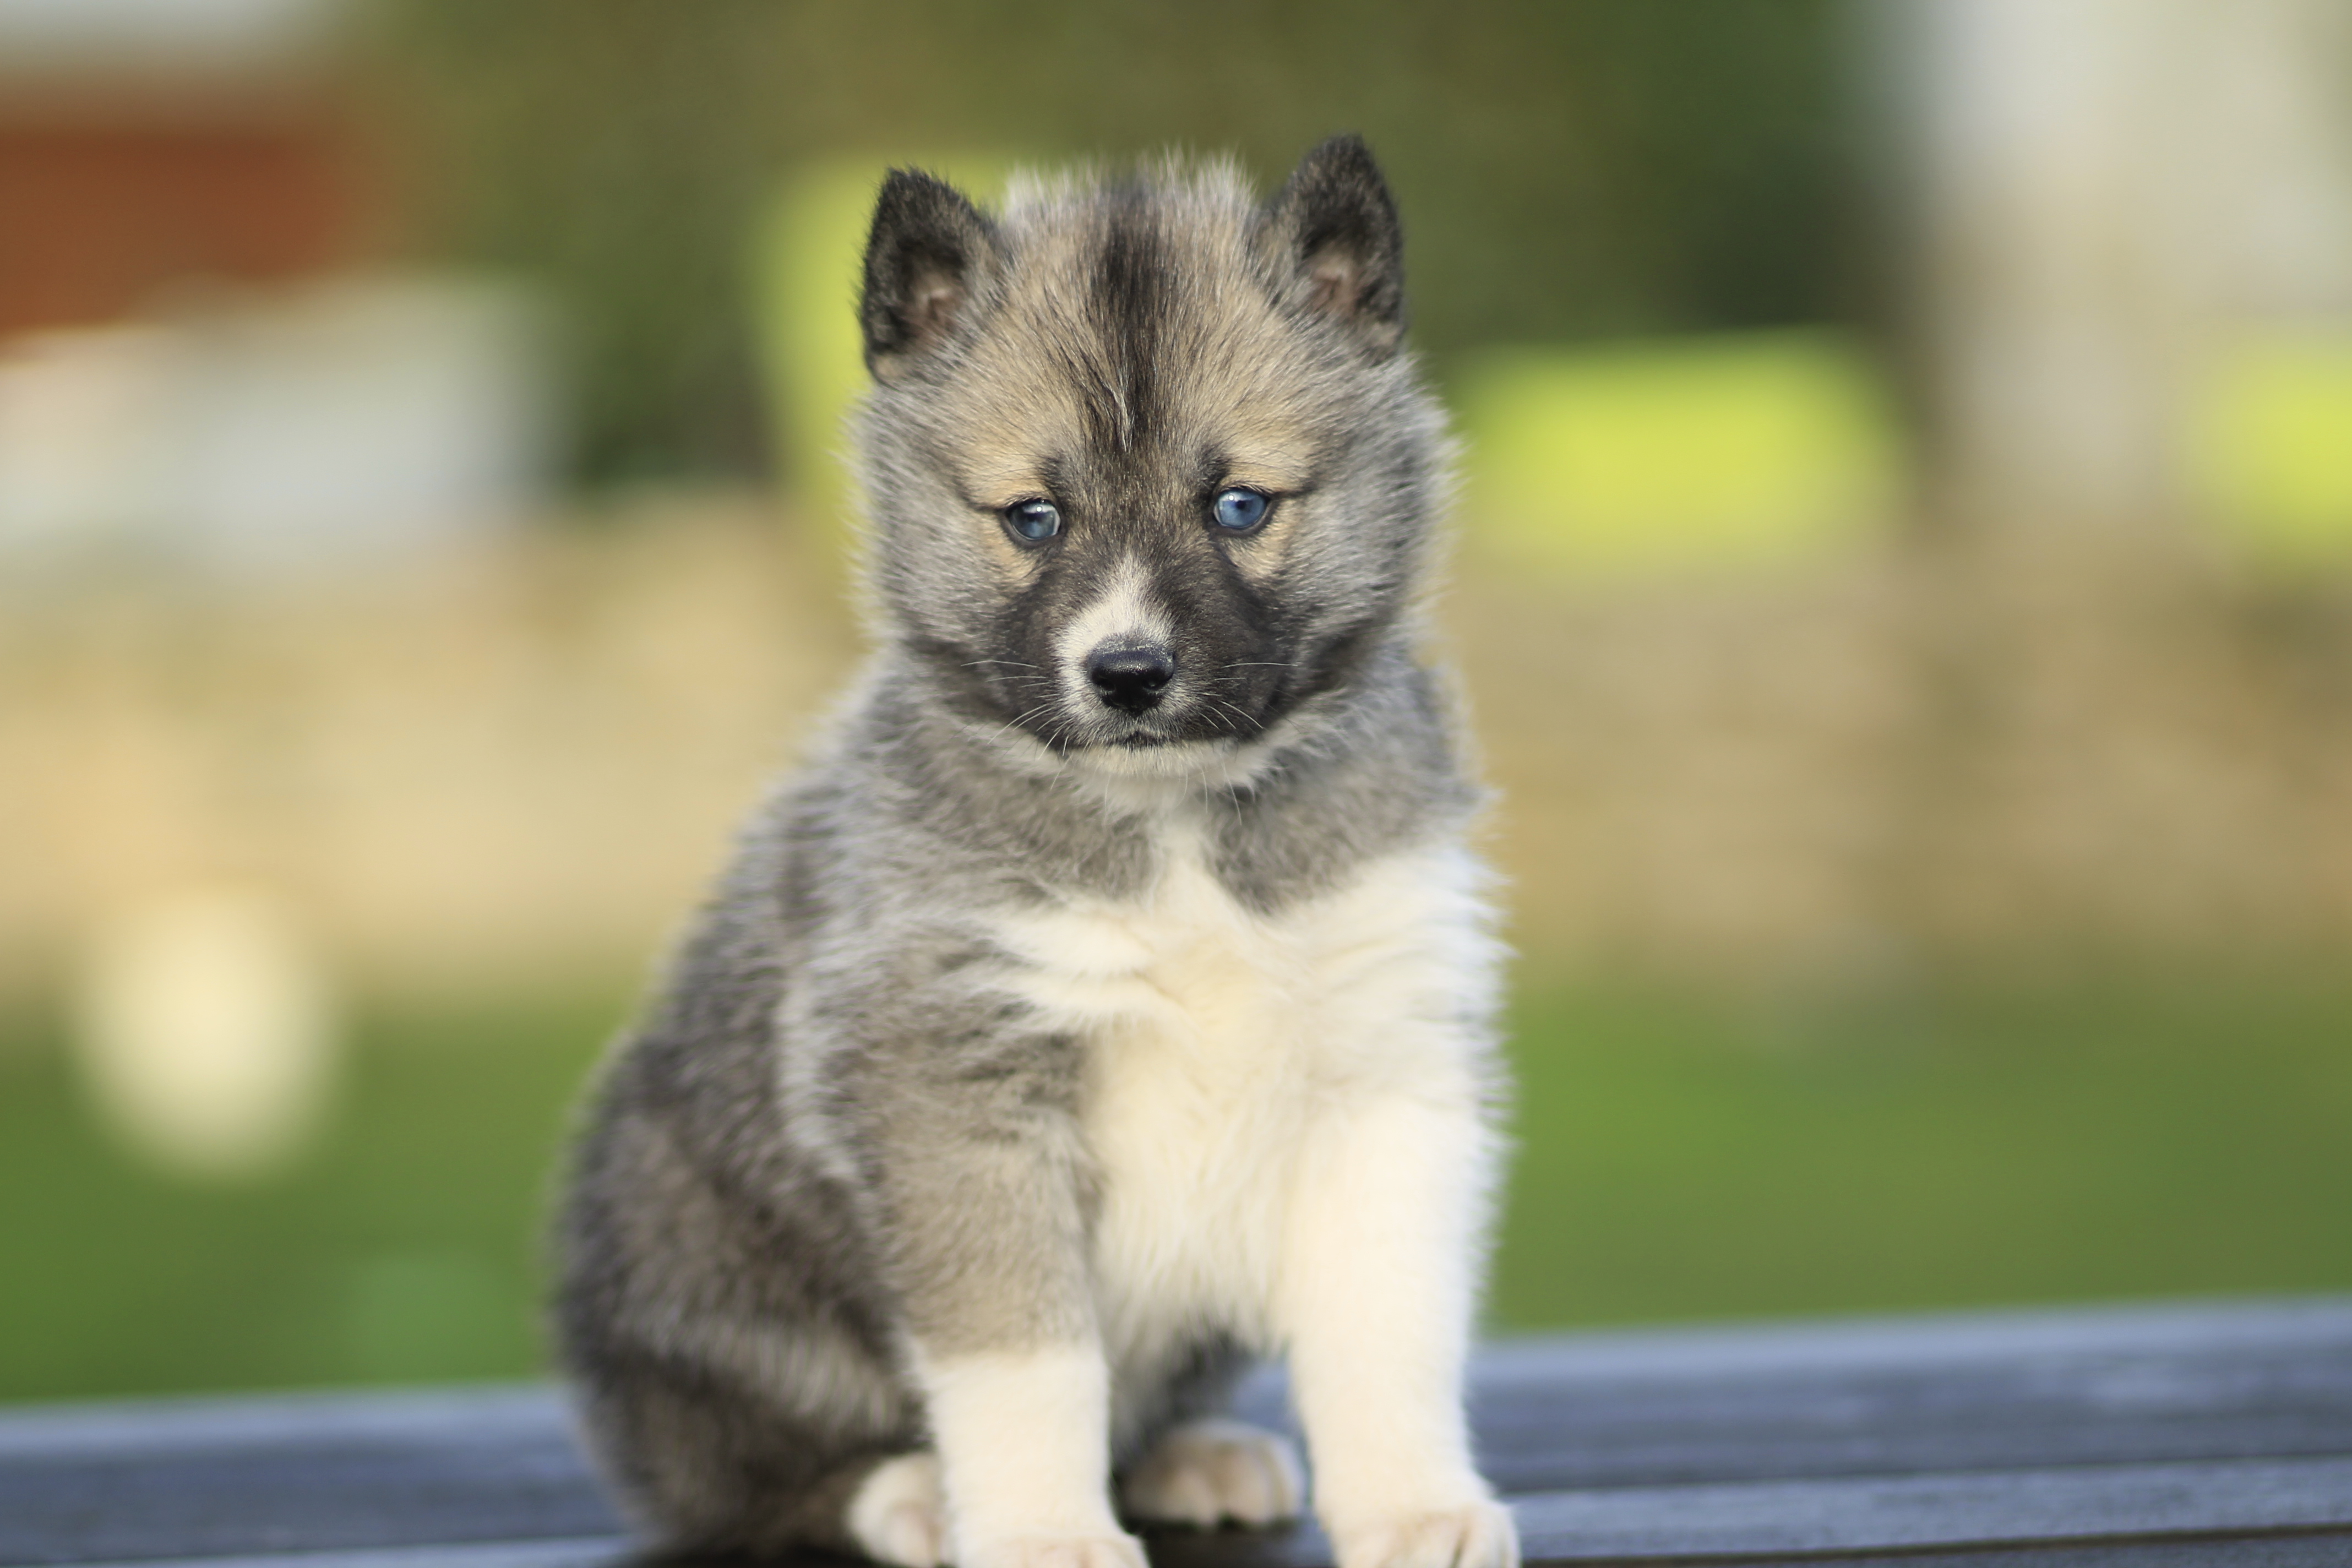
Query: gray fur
[(827, 1139)]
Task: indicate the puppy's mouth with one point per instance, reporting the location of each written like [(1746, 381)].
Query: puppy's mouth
[(1179, 721), (1179, 725)]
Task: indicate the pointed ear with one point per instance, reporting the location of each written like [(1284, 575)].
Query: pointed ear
[(1340, 246), (930, 252)]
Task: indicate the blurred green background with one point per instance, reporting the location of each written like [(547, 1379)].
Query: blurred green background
[(1569, 170), (1680, 1156), (1908, 918)]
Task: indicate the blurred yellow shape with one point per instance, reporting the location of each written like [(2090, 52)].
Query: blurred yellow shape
[(206, 1032), (2273, 458), (807, 258), (1731, 450)]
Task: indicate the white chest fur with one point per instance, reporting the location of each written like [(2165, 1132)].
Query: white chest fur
[(1219, 1040)]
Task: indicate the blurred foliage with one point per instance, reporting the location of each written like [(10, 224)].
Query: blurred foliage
[(2270, 448), (804, 265), (1722, 450), (1680, 1156), (1568, 168)]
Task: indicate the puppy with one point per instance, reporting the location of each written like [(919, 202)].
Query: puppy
[(1111, 1000)]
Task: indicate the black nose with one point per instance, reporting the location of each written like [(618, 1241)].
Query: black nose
[(1131, 679)]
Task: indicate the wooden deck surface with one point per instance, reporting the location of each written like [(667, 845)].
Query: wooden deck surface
[(2139, 1437)]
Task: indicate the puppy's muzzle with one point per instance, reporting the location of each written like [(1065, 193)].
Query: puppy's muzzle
[(1130, 680)]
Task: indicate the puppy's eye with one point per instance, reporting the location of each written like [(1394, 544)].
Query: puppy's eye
[(1033, 520), (1240, 508)]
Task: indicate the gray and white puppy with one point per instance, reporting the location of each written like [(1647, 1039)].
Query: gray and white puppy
[(1110, 999)]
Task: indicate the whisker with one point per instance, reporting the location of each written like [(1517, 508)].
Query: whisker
[(1243, 722), (1021, 717)]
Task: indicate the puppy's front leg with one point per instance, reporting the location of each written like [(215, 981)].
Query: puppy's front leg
[(1024, 1437), (981, 1181), (1384, 1241)]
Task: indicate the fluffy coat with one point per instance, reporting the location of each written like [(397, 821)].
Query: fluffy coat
[(1108, 1000)]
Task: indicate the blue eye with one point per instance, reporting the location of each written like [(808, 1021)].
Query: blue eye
[(1240, 510), (1034, 521)]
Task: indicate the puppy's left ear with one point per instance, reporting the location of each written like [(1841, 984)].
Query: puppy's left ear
[(1339, 246), (928, 255)]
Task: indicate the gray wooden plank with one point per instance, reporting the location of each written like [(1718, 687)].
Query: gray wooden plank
[(486, 1415), (1992, 1390), (2332, 1549), (593, 1551), (1925, 1340), (1795, 1520), (2328, 1550), (1544, 1435), (1872, 1513), (1621, 1411), (2121, 1510), (292, 1473)]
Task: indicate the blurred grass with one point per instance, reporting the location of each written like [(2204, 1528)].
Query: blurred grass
[(1679, 1157), (405, 1250), (1684, 1158)]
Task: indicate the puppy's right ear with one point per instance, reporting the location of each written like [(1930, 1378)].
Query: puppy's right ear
[(1342, 250), (928, 254)]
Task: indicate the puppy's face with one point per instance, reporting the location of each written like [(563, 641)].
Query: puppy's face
[(1146, 468)]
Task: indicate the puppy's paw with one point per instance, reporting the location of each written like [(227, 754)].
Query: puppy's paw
[(1205, 1472), (899, 1514), (1113, 1550), (1471, 1535)]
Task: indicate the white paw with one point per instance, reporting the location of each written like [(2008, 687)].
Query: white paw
[(1207, 1471), (1473, 1535), (899, 1515), (1071, 1551)]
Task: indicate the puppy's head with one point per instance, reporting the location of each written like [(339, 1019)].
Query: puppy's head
[(1148, 467)]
